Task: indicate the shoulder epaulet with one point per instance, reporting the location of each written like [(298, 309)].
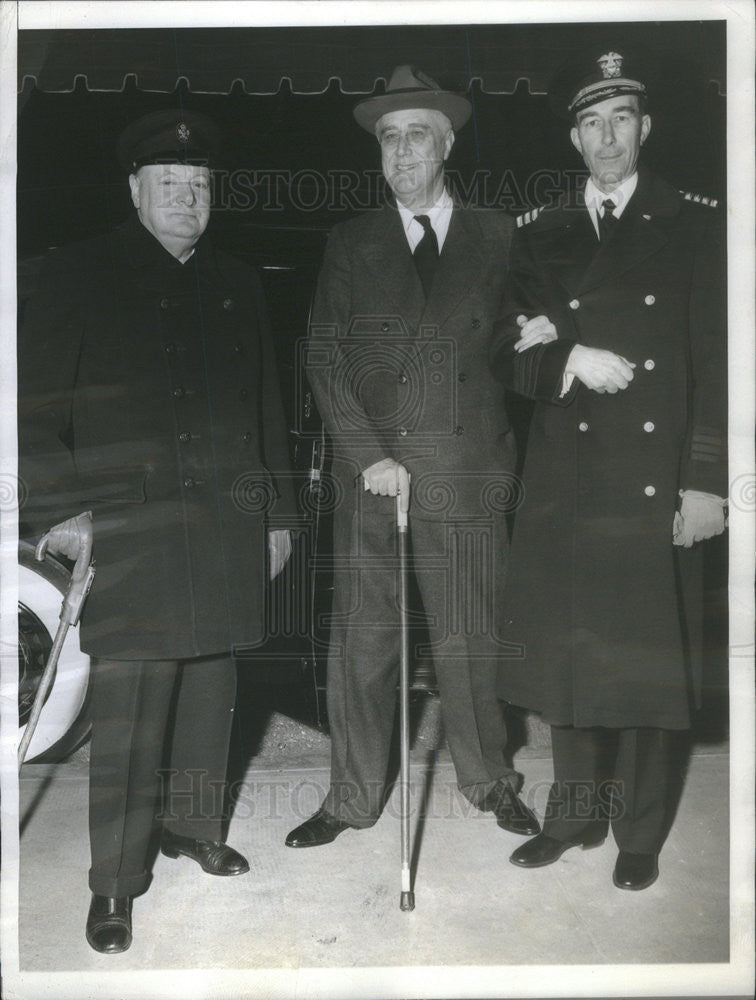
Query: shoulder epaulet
[(528, 217), (700, 199)]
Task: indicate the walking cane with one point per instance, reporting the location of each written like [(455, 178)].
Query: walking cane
[(81, 581), (407, 899)]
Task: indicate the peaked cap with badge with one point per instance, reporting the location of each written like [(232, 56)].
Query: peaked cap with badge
[(408, 88), (595, 75), (169, 136)]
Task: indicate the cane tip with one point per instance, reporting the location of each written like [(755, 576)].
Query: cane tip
[(407, 901)]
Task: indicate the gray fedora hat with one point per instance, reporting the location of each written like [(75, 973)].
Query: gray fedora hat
[(409, 88)]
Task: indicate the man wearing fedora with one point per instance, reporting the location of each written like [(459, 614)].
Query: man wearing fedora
[(397, 363), (625, 472), (145, 364)]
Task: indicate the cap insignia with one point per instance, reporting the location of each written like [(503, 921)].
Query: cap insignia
[(183, 133), (611, 65)]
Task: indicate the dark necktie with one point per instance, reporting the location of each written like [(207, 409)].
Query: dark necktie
[(607, 222), (426, 254)]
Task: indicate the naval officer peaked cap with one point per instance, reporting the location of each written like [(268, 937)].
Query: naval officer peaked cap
[(170, 136), (410, 88), (595, 75)]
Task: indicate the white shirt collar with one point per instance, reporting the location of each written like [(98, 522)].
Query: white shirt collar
[(439, 215), (621, 195)]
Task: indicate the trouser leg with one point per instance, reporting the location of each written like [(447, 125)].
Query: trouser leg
[(645, 769), (195, 782), (580, 797), (457, 570), (363, 666), (130, 706)]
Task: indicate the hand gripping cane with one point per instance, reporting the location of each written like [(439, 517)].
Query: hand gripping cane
[(72, 538), (407, 899)]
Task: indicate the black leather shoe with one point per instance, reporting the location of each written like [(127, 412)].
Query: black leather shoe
[(635, 871), (544, 850), (510, 811), (109, 924), (213, 856), (319, 829)]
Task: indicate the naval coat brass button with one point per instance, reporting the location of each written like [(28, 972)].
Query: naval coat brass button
[(649, 364), (650, 491), (583, 426), (649, 300), (649, 426), (574, 304)]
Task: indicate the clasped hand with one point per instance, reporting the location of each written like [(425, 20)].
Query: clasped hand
[(599, 370), (388, 478)]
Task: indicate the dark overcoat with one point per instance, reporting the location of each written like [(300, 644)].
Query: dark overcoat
[(148, 394), (396, 377), (594, 593)]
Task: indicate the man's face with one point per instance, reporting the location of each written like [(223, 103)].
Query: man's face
[(609, 136), (414, 146), (173, 202)]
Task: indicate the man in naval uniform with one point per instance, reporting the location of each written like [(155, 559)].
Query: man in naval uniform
[(146, 364), (398, 365), (625, 472)]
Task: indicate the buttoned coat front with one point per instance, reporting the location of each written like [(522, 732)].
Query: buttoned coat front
[(148, 394), (396, 377), (595, 592)]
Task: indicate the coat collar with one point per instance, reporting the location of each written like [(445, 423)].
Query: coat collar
[(582, 263), (386, 256)]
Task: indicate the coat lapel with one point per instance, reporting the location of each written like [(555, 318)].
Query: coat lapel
[(388, 261), (459, 267), (636, 236)]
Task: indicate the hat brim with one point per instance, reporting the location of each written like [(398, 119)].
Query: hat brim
[(456, 108)]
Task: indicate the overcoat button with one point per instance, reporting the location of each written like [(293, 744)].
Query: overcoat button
[(165, 303), (650, 491), (185, 437), (475, 324), (238, 349), (170, 348), (583, 426), (402, 378), (649, 426), (228, 304), (403, 431), (649, 364), (179, 392), (384, 328), (461, 377), (575, 304), (649, 300), (459, 429), (243, 393), (247, 437), (189, 482)]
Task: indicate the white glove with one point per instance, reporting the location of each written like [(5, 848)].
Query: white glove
[(701, 516), (279, 550)]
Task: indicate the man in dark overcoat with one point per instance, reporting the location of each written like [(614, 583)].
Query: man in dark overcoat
[(625, 470), (149, 397), (397, 363)]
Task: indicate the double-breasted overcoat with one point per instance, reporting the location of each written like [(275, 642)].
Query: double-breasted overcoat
[(148, 394), (595, 590)]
